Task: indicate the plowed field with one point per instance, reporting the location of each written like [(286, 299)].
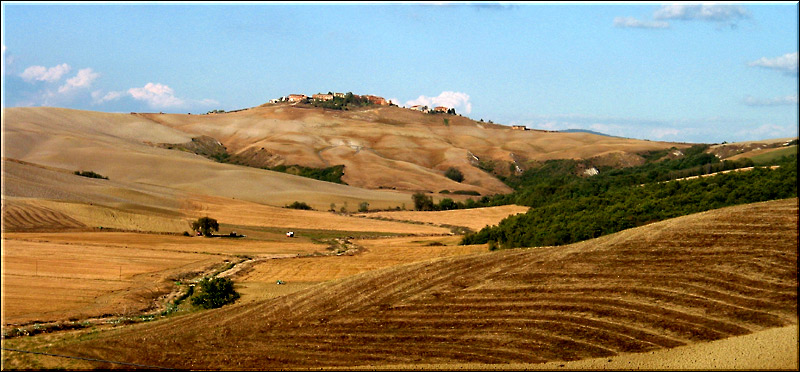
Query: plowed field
[(693, 279)]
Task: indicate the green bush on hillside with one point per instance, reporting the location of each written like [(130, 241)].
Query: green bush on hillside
[(454, 174), (214, 293), (299, 205), (90, 174)]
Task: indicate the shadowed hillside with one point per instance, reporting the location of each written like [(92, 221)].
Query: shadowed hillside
[(692, 279)]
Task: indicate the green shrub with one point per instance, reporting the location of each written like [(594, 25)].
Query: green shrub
[(299, 205), (467, 192), (454, 174), (422, 202), (90, 174), (215, 293)]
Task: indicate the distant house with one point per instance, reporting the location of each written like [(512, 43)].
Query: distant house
[(339, 95), (376, 100), (440, 109), (276, 100), (323, 97), (519, 127), (297, 97), (418, 107)]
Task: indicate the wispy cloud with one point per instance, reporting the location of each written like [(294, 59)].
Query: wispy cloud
[(702, 12), (41, 73), (98, 97), (700, 130), (768, 130), (83, 79), (156, 95), (777, 101), (456, 100), (720, 14), (631, 22), (786, 63)]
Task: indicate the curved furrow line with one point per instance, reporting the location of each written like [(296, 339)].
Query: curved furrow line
[(657, 315), (410, 284), (21, 219), (483, 321), (729, 281), (385, 348), (596, 334), (447, 350), (751, 308), (525, 339), (39, 217), (712, 302), (671, 330), (763, 282)]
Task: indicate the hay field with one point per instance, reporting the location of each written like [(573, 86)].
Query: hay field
[(46, 280), (474, 219), (687, 281)]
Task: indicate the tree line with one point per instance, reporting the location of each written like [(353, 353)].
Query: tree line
[(568, 208)]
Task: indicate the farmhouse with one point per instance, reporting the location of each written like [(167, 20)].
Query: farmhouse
[(323, 97), (376, 100), (519, 127), (297, 97), (440, 109)]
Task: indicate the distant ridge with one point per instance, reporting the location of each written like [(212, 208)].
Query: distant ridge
[(585, 131)]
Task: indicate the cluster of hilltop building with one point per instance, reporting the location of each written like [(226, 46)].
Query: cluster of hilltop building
[(296, 98), (329, 97)]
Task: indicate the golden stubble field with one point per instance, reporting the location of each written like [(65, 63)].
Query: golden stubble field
[(708, 282), (78, 272)]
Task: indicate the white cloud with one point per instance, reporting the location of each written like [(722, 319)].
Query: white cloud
[(98, 97), (455, 100), (83, 79), (704, 12), (630, 22), (768, 131), (664, 133), (156, 95), (42, 73), (777, 101), (786, 63)]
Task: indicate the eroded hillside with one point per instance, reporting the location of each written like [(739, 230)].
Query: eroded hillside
[(396, 148)]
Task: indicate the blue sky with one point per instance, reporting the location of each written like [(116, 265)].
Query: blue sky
[(688, 72)]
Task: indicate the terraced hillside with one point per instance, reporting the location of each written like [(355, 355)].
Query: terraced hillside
[(688, 280)]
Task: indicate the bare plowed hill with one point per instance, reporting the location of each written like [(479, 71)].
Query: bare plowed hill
[(688, 280), (381, 148)]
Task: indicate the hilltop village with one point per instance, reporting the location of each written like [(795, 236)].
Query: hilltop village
[(339, 100)]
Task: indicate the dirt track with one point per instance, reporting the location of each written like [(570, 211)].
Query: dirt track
[(694, 279)]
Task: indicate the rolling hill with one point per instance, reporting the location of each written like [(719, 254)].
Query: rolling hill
[(690, 280), (381, 148)]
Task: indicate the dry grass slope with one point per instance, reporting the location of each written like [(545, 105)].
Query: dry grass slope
[(693, 279)]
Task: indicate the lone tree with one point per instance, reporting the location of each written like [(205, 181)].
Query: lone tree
[(204, 225)]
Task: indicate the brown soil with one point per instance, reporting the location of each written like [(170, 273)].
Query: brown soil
[(696, 279)]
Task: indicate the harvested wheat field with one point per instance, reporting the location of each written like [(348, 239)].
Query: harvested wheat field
[(681, 282), (474, 219)]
